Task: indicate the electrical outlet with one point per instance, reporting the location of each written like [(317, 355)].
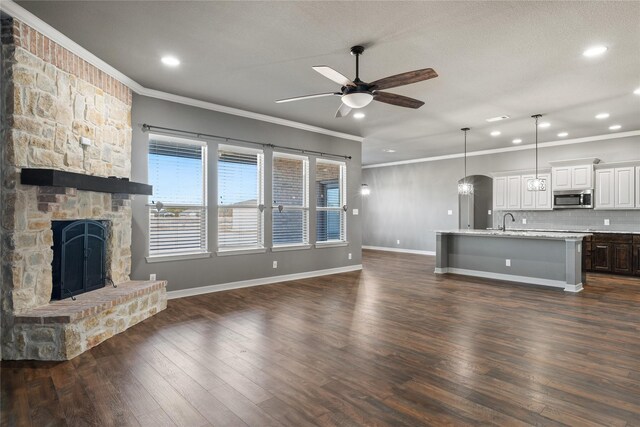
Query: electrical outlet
[(508, 262), (355, 212), (349, 255), (397, 242), (607, 222), (489, 212), (524, 220), (275, 264), (152, 276), (449, 212)]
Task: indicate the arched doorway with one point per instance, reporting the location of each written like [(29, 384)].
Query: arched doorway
[(473, 209)]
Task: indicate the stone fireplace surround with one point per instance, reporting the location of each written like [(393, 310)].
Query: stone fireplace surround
[(52, 98)]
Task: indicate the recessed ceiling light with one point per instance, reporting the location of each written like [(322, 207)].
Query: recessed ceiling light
[(544, 125), (563, 134), (495, 133), (595, 51), (614, 127), (389, 150), (497, 119), (171, 61), (637, 91), (517, 141), (358, 115), (602, 116)]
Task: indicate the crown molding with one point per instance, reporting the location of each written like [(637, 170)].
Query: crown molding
[(18, 12), (508, 149)]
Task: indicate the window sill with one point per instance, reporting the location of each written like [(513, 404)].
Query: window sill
[(178, 257), (283, 248), (331, 244), (239, 251)]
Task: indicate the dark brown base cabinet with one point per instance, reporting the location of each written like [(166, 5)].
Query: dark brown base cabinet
[(612, 253)]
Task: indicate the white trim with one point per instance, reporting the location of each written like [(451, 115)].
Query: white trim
[(510, 278), (248, 251), (177, 257), (509, 149), (258, 282), (401, 250), (20, 13), (330, 244), (293, 247)]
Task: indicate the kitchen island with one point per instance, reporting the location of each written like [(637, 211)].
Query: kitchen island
[(531, 257)]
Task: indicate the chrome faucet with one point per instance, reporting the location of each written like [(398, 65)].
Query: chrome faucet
[(504, 219)]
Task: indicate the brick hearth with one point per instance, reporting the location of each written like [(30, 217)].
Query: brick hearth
[(63, 329)]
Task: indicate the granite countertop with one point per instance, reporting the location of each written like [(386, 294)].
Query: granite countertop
[(518, 234), (554, 230)]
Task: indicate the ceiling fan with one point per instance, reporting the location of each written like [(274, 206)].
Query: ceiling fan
[(358, 94)]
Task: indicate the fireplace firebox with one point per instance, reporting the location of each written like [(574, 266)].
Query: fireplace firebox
[(79, 257)]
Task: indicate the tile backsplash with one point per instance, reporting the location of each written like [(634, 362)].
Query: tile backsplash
[(572, 219)]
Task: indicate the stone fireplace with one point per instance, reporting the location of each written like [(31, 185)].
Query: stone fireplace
[(63, 114)]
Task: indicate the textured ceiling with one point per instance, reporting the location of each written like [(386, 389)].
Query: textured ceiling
[(493, 58)]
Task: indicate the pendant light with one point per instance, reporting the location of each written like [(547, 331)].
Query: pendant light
[(465, 188), (537, 184)]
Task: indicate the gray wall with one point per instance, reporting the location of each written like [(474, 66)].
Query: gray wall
[(192, 273), (409, 202)]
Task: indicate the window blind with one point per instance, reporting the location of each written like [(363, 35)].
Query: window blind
[(177, 171), (240, 197), (330, 201), (290, 211)]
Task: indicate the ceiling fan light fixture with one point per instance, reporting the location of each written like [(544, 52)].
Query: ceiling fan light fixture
[(357, 99)]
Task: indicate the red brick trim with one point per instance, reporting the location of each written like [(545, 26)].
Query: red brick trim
[(31, 40)]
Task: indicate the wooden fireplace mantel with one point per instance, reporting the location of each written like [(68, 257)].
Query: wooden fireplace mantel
[(57, 178)]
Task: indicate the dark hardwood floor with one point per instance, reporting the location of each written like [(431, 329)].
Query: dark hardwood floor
[(391, 345)]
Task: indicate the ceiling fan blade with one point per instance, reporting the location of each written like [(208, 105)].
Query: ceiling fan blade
[(404, 79), (316, 95), (399, 100), (343, 111), (332, 74)]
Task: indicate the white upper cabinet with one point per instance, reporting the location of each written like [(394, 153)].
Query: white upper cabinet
[(637, 186), (605, 189), (578, 177), (582, 177), (625, 187), (528, 199), (616, 188), (544, 199), (535, 200), (562, 178), (513, 191), (499, 193)]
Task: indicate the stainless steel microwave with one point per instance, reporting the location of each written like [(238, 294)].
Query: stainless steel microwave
[(573, 199)]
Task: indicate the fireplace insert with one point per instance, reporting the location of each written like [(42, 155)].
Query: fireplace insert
[(79, 257)]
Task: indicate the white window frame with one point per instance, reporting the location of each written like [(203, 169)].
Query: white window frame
[(305, 204), (342, 183), (152, 209), (244, 249)]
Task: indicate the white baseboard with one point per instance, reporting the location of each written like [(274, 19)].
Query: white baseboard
[(510, 278), (404, 251), (181, 293)]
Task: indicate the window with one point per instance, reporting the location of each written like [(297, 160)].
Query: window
[(178, 173), (240, 198), (290, 200), (331, 201)]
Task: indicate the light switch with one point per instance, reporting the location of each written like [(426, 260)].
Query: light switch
[(275, 264), (355, 211), (449, 212), (508, 263)]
